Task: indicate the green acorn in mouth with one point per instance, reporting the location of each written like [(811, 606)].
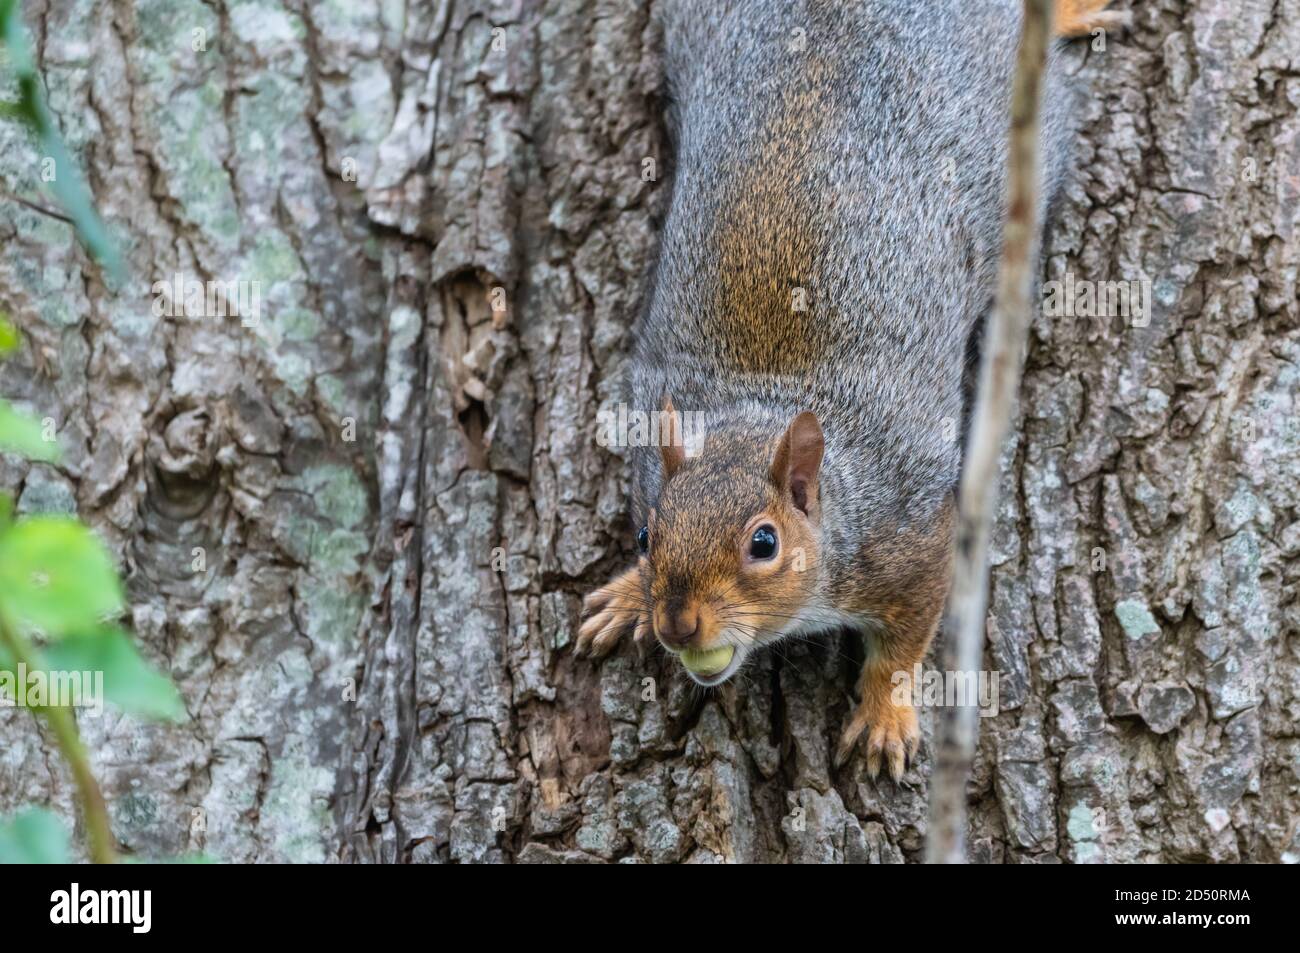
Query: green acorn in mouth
[(707, 661)]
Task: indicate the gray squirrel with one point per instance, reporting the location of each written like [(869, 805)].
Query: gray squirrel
[(831, 244)]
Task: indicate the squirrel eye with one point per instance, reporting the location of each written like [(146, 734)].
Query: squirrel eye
[(643, 540), (762, 545)]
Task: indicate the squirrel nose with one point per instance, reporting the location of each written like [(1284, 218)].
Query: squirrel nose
[(679, 626)]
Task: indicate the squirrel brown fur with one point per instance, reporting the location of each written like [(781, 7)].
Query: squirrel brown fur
[(830, 246)]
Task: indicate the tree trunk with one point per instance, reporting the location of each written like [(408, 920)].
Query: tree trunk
[(358, 531)]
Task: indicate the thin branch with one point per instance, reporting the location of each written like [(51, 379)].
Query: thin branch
[(99, 831), (999, 381), (35, 206)]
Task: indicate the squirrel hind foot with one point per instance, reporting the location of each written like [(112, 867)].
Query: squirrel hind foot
[(1082, 17)]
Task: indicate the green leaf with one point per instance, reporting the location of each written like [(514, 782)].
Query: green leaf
[(21, 434), (56, 577), (68, 185), (34, 836), (129, 682), (9, 338), (6, 509), (74, 195), (9, 20)]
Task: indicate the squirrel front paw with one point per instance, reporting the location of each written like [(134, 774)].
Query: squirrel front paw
[(893, 740), (610, 611)]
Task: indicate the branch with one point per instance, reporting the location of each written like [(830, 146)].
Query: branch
[(35, 206), (99, 831), (1004, 343)]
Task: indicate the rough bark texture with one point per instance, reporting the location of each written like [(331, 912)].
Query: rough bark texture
[(395, 483)]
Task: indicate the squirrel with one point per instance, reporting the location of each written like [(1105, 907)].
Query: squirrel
[(830, 247)]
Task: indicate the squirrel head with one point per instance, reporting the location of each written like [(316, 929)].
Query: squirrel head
[(730, 549)]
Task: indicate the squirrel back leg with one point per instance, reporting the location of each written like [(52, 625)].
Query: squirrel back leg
[(1081, 17)]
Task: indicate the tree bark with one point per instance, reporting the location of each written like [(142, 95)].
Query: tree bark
[(358, 533)]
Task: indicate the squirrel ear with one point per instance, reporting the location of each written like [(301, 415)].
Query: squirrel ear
[(798, 458), (671, 448)]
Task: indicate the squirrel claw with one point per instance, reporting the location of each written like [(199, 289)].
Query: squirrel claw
[(609, 612), (892, 742), (889, 752), (641, 636), (601, 632)]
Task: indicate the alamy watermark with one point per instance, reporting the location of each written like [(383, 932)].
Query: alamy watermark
[(1082, 298), (936, 689), (35, 688), (622, 426), (189, 297), (133, 908)]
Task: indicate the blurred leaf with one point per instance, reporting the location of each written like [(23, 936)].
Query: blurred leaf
[(55, 576), (129, 682), (21, 434), (34, 836), (8, 10), (9, 338), (73, 194), (68, 185), (6, 509)]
